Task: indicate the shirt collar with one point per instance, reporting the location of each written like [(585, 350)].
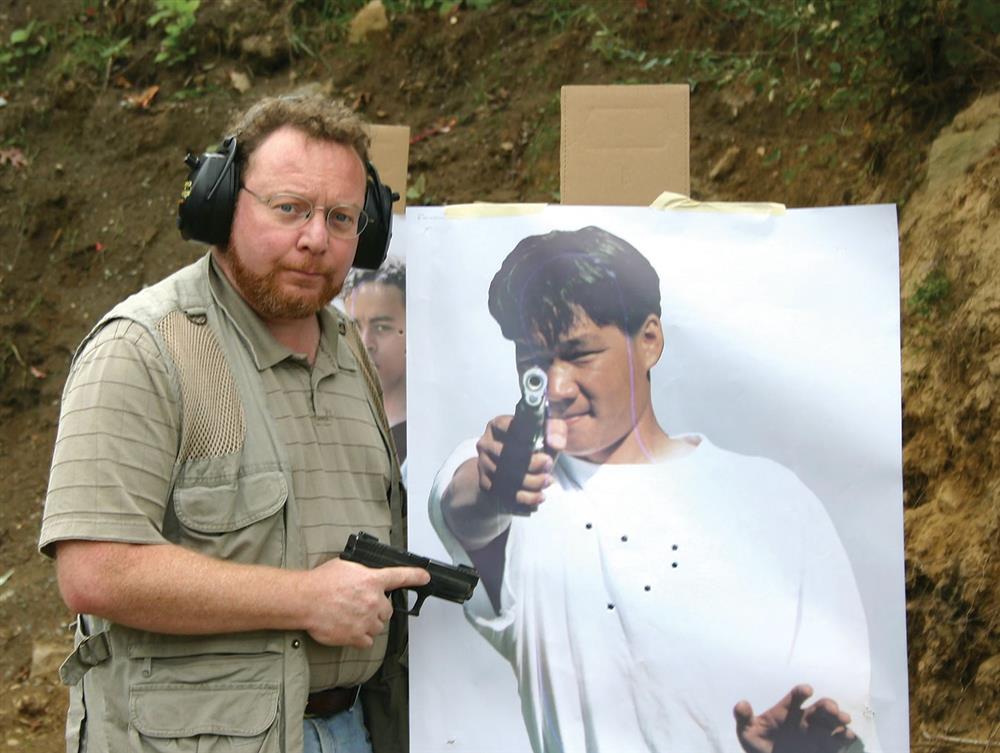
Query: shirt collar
[(264, 349)]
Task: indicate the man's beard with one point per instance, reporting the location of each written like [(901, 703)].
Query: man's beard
[(265, 295)]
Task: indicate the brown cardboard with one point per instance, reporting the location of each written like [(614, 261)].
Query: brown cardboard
[(624, 145), (390, 153)]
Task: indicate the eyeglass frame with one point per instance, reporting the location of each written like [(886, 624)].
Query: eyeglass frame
[(363, 218)]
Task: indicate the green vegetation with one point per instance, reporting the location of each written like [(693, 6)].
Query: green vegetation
[(24, 46), (417, 189), (177, 17), (834, 54), (931, 294), (92, 51), (798, 54)]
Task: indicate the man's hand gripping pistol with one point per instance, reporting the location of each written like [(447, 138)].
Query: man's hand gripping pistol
[(525, 436), (452, 582)]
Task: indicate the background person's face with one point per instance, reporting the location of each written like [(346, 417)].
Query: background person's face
[(598, 384), (381, 316), (290, 273)]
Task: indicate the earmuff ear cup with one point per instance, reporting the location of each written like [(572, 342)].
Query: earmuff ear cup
[(373, 243), (205, 211)]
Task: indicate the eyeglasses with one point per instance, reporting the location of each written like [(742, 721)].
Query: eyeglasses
[(292, 211)]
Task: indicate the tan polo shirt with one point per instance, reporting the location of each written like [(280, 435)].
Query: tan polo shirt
[(119, 434)]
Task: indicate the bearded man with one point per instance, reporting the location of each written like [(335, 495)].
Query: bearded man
[(221, 435)]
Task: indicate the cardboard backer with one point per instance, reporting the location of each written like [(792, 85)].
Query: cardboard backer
[(390, 153), (624, 145)]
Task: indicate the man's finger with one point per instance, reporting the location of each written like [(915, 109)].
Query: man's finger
[(403, 577), (488, 451), (490, 444), (788, 711), (530, 499), (496, 429), (536, 482), (827, 714), (743, 712), (487, 465), (540, 462), (798, 695), (363, 641)]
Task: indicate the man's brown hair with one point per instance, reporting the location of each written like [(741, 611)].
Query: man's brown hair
[(318, 117)]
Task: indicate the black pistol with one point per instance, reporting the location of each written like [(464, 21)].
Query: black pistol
[(452, 582), (525, 436)]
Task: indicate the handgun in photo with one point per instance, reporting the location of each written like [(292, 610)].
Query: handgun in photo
[(452, 582), (525, 436)]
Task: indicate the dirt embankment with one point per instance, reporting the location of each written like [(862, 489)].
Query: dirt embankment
[(950, 245)]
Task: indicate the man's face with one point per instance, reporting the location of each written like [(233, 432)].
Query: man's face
[(289, 273), (598, 384), (381, 316)]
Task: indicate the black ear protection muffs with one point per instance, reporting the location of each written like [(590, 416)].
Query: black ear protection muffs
[(208, 200)]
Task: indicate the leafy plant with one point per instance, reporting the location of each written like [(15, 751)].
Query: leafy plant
[(192, 92), (931, 294), (417, 189), (177, 17), (89, 50), (24, 45)]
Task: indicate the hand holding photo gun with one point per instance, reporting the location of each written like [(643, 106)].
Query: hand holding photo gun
[(452, 582), (524, 437), (514, 460)]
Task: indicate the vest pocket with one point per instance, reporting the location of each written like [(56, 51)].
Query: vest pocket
[(205, 718), (238, 520), (231, 506)]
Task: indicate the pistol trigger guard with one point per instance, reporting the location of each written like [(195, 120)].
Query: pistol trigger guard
[(421, 597)]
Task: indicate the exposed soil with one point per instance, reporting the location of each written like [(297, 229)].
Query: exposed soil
[(88, 218)]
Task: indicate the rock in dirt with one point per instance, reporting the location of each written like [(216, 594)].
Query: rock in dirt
[(239, 81), (725, 164), (369, 19), (970, 137), (988, 675), (264, 47), (31, 706), (46, 656)]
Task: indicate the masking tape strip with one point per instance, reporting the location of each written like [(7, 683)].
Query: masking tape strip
[(668, 200), (486, 209)]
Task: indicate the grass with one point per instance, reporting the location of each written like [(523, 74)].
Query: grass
[(932, 293)]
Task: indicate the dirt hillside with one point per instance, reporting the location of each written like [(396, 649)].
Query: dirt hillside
[(93, 129)]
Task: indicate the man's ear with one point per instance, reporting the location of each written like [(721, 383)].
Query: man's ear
[(649, 342)]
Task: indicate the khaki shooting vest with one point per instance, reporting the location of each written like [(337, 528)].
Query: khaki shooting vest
[(231, 499)]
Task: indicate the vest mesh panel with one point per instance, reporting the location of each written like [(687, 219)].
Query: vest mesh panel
[(214, 423)]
